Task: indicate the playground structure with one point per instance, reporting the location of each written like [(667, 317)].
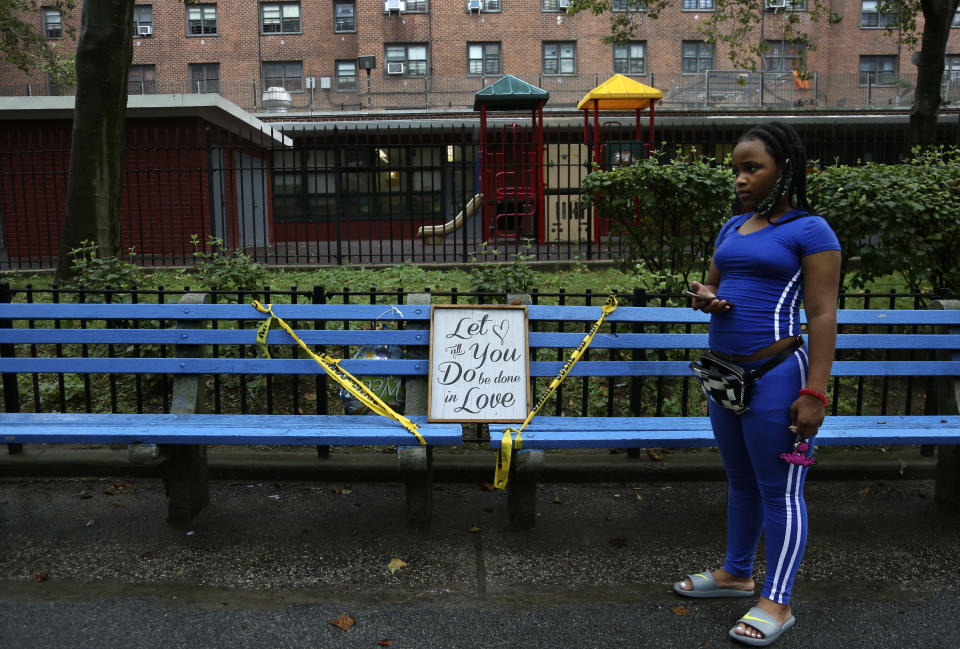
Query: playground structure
[(521, 192)]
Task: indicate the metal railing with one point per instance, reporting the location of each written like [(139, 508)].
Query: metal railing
[(714, 89)]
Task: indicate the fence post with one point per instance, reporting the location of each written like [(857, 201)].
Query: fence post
[(947, 485), (416, 462), (525, 466), (11, 391)]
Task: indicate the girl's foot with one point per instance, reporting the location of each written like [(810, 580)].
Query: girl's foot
[(724, 580), (780, 612)]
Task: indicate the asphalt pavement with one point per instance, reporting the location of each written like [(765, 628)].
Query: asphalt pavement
[(290, 543)]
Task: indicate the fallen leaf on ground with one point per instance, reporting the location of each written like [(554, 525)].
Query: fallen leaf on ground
[(396, 564), (680, 610), (43, 575), (475, 529), (557, 501), (343, 622), (486, 486), (864, 491), (84, 495), (385, 643), (654, 454), (618, 541)]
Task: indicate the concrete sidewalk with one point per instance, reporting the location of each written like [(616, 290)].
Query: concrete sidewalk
[(90, 562)]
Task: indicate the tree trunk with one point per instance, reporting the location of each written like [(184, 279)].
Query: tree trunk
[(104, 52), (937, 15)]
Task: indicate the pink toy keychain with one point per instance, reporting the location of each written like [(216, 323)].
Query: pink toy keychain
[(799, 454)]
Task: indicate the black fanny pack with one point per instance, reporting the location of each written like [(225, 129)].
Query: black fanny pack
[(728, 384)]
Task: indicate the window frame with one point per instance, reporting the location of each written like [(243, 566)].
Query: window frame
[(785, 52), (417, 7), (484, 57), (555, 9), (559, 58), (894, 74), (138, 22), (628, 58), (282, 29), (487, 6), (406, 60), (51, 19), (697, 5), (285, 80), (144, 84), (340, 86), (203, 20), (698, 58), (204, 67), (882, 19), (336, 17)]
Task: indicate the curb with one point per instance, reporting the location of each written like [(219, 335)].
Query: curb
[(467, 465)]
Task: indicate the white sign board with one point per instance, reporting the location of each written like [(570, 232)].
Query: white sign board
[(479, 364)]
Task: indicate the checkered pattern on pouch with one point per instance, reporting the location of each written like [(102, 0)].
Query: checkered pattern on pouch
[(722, 382)]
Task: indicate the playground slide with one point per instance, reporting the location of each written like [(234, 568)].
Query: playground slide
[(436, 233)]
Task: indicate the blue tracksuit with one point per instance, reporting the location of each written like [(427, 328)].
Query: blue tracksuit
[(760, 274)]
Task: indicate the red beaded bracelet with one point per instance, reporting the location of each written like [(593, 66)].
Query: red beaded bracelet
[(819, 395)]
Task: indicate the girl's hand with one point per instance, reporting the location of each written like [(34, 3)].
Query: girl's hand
[(706, 300), (806, 415)]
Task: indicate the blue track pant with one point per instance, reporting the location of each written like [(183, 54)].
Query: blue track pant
[(765, 493)]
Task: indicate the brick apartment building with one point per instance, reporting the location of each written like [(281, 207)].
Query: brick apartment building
[(434, 55)]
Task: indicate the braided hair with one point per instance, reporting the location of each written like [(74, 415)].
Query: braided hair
[(783, 144)]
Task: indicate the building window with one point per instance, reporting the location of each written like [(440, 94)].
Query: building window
[(560, 58), (483, 5), (878, 70), (283, 74), (52, 23), (204, 77), (781, 57), (406, 60), (956, 20), (346, 76), (871, 18), (344, 17), (143, 21), (483, 59), (698, 5), (697, 57), (202, 20), (142, 80), (280, 18), (417, 7), (554, 5), (951, 69), (630, 58), (634, 5)]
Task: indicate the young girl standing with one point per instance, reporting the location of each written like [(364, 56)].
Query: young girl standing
[(766, 261)]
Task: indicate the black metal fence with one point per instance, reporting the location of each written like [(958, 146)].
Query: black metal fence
[(592, 396), (366, 193)]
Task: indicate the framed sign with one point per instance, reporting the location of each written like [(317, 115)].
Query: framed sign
[(479, 364)]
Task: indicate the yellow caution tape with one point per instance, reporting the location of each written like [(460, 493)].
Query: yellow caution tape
[(508, 443), (331, 366)]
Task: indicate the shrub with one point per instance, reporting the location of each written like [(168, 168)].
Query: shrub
[(221, 269), (669, 210), (901, 220), (91, 271)]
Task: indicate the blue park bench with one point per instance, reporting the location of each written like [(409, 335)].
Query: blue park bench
[(639, 336), (119, 339)]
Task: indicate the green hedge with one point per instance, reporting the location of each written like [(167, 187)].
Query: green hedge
[(901, 220)]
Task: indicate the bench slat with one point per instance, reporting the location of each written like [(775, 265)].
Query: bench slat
[(295, 312), (646, 432), (696, 341), (418, 367), (344, 430)]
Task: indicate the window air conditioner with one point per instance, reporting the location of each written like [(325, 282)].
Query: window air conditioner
[(777, 4), (394, 68), (563, 4), (394, 5), (474, 5), (144, 30)]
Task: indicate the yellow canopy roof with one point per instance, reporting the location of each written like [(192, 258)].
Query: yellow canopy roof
[(620, 93)]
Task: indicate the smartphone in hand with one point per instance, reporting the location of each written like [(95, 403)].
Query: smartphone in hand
[(704, 298)]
